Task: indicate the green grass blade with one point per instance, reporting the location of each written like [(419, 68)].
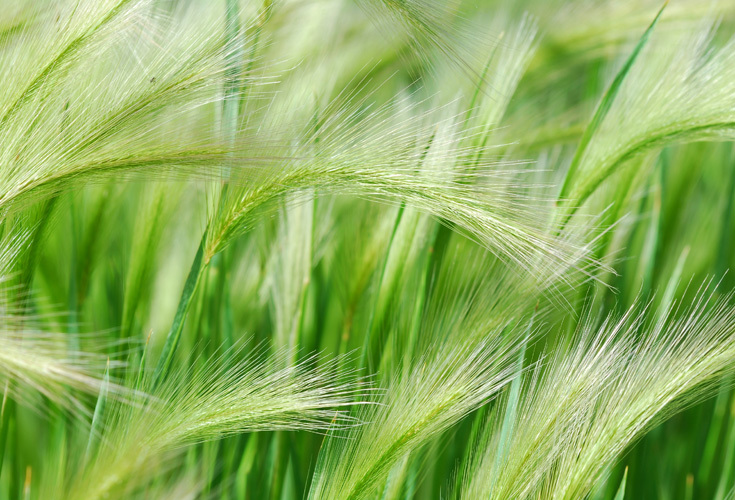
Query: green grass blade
[(620, 495), (246, 465), (174, 334), (728, 468), (5, 413), (99, 410), (511, 408)]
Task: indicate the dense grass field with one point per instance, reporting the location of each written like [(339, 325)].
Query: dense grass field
[(367, 249)]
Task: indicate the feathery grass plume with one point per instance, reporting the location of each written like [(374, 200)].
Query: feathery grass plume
[(14, 236), (107, 88), (377, 155), (35, 362), (580, 411), (18, 14), (432, 397), (674, 92), (458, 366), (201, 404)]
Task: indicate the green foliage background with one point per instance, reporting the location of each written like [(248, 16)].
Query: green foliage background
[(347, 249)]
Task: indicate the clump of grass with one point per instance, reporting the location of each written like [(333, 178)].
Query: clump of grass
[(345, 250)]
